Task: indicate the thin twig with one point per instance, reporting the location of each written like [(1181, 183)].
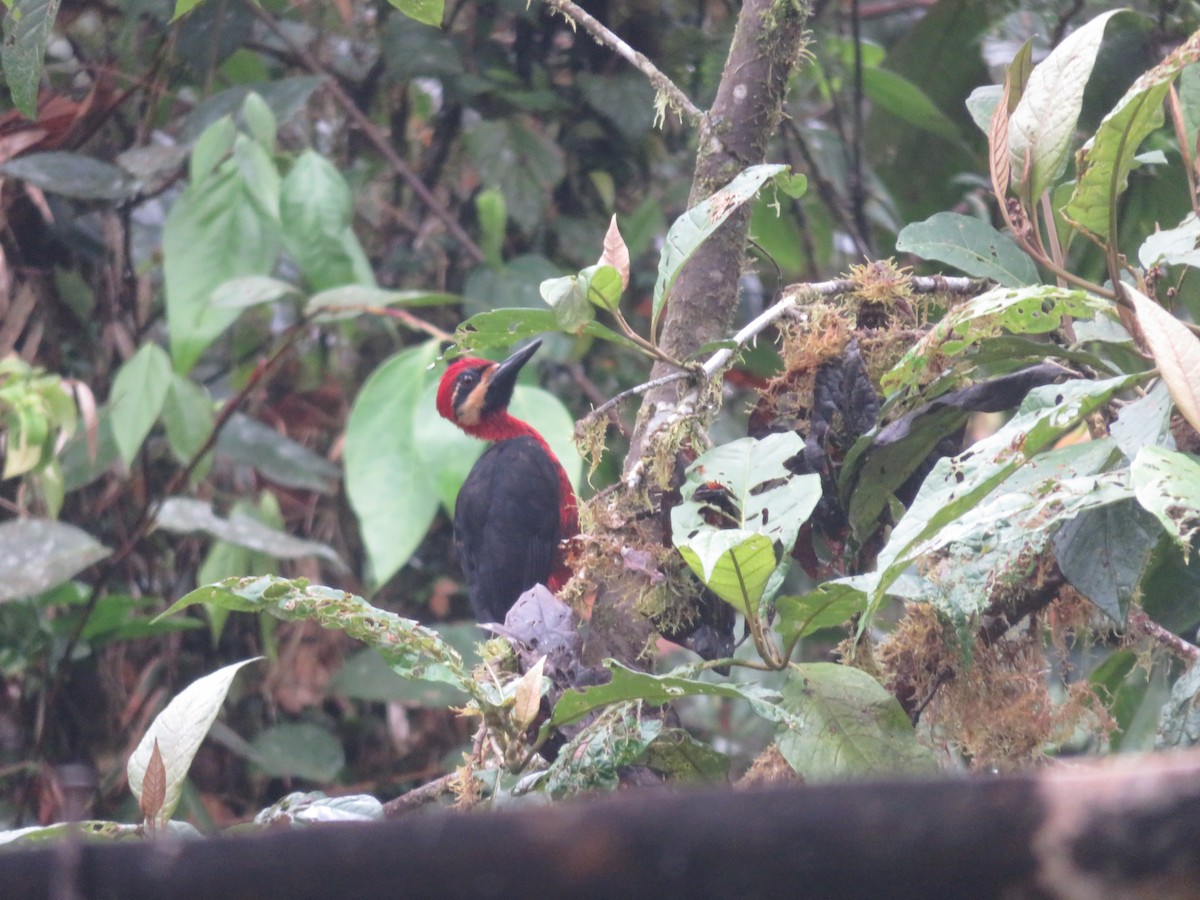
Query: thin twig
[(372, 133), (1139, 623), (665, 86), (419, 796)]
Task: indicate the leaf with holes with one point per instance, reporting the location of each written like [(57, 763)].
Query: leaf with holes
[(847, 725), (1167, 484)]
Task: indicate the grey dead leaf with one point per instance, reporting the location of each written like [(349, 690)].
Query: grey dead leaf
[(528, 698), (615, 253), (1176, 352)]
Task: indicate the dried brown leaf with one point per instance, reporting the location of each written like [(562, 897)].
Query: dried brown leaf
[(616, 254), (1176, 352), (154, 788), (528, 698)]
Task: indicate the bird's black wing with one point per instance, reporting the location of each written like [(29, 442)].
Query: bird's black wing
[(506, 524)]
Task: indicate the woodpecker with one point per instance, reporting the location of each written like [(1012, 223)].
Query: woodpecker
[(517, 505)]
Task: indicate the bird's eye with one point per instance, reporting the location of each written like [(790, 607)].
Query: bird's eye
[(469, 377)]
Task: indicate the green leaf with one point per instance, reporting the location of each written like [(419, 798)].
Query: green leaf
[(969, 244), (1106, 554), (428, 12), (848, 725), (735, 565), (567, 297), (630, 684), (367, 676), (259, 119), (27, 26), (178, 730), (316, 207), (827, 606), (907, 102), (72, 175), (211, 148), (298, 750), (394, 499), (696, 225), (184, 515), (138, 393), (251, 290), (277, 456), (602, 286), (524, 164), (501, 328), (1167, 484), (39, 554), (215, 232), (1042, 126), (353, 300), (412, 650), (1032, 310), (1102, 166), (492, 214), (188, 417), (183, 7)]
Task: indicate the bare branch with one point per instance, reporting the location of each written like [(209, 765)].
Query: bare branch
[(677, 99)]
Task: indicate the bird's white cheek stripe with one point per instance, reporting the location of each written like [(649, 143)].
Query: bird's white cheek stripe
[(468, 409)]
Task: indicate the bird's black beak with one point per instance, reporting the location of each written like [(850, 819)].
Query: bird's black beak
[(504, 378)]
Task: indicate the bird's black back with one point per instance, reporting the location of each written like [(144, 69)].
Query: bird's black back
[(507, 524)]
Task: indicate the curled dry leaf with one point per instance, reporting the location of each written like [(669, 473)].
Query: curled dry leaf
[(528, 698), (1176, 352), (616, 254)]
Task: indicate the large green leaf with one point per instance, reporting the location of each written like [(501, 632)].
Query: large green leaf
[(695, 226), (428, 12), (969, 244), (217, 230), (847, 725), (897, 95), (501, 328), (276, 456), (138, 393), (316, 207), (1103, 165), (1042, 126), (389, 488)]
